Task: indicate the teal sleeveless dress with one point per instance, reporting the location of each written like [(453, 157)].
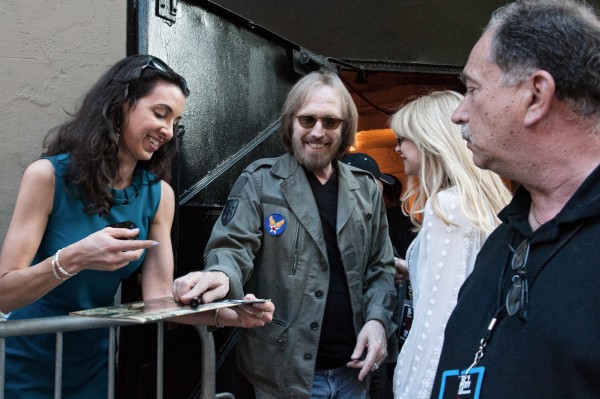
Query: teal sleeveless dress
[(30, 359)]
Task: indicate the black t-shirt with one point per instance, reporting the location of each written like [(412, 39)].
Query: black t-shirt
[(337, 340)]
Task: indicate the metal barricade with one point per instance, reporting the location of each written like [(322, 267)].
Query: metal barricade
[(60, 324)]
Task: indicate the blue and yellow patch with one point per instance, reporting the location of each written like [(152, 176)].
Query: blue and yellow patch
[(275, 224)]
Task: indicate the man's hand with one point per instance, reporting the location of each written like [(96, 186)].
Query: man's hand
[(206, 286), (401, 271), (252, 315), (372, 337)]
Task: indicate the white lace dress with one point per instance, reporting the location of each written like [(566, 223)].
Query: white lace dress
[(439, 260)]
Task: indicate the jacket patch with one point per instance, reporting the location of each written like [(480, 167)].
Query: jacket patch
[(275, 224), (229, 211)]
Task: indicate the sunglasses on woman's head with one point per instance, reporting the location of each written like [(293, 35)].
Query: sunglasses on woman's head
[(152, 63)]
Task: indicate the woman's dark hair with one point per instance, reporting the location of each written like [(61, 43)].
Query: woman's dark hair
[(91, 136)]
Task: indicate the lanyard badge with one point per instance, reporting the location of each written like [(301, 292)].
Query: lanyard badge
[(462, 385), (466, 384)]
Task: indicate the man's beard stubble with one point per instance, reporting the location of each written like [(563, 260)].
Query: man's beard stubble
[(314, 162)]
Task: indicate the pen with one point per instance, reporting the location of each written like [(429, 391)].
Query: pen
[(194, 302)]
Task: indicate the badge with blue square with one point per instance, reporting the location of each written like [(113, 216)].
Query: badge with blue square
[(462, 385)]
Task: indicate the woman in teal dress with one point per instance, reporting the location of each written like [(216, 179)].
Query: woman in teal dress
[(106, 165)]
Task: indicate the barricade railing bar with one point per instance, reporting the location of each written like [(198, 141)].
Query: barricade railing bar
[(60, 324)]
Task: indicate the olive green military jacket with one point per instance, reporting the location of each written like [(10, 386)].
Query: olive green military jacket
[(269, 241)]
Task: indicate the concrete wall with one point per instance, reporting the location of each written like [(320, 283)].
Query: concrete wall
[(51, 51)]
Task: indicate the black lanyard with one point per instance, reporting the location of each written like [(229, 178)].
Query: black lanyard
[(500, 311)]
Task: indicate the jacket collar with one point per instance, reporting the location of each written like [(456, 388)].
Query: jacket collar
[(285, 166), (294, 189), (348, 185)]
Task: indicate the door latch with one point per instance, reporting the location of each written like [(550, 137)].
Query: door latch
[(167, 9)]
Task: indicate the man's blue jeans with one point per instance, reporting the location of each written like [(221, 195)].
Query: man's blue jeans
[(340, 383)]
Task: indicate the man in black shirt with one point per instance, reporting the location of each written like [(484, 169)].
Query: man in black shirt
[(526, 322)]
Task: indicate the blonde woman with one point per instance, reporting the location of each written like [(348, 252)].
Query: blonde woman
[(454, 207)]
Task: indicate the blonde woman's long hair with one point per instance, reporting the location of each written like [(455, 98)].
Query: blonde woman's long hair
[(446, 162)]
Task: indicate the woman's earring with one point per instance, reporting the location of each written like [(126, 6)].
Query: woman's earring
[(117, 135)]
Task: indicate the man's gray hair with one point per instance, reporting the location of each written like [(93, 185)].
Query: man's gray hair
[(561, 37)]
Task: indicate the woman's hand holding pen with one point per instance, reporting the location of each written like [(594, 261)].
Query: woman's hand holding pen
[(108, 249)]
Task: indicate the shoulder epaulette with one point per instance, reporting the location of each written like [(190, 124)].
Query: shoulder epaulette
[(260, 163), (355, 170)]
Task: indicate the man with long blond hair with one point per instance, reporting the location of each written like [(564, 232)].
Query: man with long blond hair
[(310, 233)]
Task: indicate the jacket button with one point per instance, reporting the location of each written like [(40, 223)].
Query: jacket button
[(319, 294), (314, 325), (307, 356), (323, 266)]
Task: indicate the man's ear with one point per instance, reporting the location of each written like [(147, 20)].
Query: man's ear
[(542, 88)]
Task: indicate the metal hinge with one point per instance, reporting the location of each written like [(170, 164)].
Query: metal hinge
[(305, 61), (167, 9)]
